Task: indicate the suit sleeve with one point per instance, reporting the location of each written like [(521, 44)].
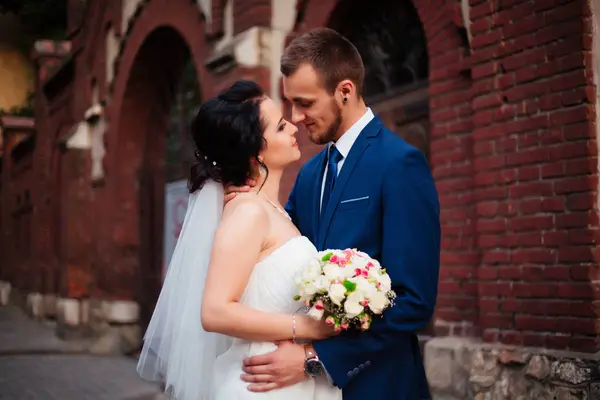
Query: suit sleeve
[(410, 253)]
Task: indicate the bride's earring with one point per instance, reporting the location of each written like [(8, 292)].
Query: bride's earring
[(261, 168)]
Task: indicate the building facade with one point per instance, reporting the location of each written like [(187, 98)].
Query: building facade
[(501, 97)]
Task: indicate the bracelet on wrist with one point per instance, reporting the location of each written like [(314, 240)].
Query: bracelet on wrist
[(294, 328)]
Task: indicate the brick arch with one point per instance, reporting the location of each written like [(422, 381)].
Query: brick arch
[(451, 151), (163, 38)]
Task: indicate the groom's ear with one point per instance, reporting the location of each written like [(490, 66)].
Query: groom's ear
[(347, 89)]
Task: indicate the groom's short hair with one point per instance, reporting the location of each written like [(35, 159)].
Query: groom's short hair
[(332, 56)]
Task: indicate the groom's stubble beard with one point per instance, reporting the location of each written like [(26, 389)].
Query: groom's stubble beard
[(332, 131)]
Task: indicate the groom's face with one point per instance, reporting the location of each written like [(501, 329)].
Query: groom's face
[(312, 105)]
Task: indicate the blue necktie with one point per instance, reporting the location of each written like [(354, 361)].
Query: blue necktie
[(333, 158)]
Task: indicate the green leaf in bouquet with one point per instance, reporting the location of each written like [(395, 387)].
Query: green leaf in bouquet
[(297, 297), (350, 286), (327, 256)]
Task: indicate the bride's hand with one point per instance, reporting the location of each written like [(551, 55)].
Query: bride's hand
[(231, 191), (309, 328), (324, 331)]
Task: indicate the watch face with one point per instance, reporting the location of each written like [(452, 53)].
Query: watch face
[(314, 367)]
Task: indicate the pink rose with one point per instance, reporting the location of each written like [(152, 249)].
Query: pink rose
[(361, 272), (319, 305)]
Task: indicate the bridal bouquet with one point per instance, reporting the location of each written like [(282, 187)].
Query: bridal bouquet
[(347, 286)]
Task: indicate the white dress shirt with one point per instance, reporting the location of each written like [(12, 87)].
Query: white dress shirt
[(345, 143)]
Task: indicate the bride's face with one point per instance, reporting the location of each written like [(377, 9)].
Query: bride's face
[(281, 148)]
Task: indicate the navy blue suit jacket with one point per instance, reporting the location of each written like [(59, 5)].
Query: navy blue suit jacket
[(384, 203)]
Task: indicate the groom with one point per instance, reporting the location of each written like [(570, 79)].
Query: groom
[(367, 189)]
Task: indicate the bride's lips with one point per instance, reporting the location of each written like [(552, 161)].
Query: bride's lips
[(295, 143)]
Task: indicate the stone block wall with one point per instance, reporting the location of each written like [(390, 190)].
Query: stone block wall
[(461, 369)]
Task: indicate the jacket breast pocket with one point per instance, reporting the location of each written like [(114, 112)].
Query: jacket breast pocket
[(353, 203)]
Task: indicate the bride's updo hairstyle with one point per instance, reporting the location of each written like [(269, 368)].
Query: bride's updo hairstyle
[(228, 133)]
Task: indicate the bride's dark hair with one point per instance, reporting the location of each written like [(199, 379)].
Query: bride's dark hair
[(228, 133)]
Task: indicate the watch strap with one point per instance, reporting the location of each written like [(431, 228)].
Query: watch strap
[(309, 353)]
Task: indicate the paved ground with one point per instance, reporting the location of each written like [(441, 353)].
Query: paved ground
[(35, 365), (21, 335)]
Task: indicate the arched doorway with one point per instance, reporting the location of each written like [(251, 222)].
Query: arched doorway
[(152, 151), (392, 42)]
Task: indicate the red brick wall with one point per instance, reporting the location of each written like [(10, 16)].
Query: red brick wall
[(250, 13), (536, 173), (16, 198), (49, 233), (20, 213)]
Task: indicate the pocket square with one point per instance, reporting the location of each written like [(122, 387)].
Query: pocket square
[(353, 200)]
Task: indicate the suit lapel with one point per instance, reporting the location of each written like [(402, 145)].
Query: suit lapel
[(316, 194), (356, 152)]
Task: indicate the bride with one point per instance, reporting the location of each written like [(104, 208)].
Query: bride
[(229, 289)]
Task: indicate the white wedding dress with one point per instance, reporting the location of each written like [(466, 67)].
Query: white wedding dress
[(270, 288)]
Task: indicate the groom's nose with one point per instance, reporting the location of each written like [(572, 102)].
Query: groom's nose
[(297, 116)]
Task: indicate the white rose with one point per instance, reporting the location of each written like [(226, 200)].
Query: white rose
[(352, 305), (364, 286), (332, 271), (337, 293), (385, 282), (378, 302), (359, 262), (312, 271), (347, 271), (310, 288), (316, 314), (374, 271), (322, 283)]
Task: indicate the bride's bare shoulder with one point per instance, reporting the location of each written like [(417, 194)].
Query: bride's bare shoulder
[(245, 221), (245, 205)]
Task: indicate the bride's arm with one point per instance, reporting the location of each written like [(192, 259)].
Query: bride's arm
[(238, 242)]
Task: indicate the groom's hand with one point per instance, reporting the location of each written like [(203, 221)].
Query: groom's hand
[(280, 368), (230, 191)]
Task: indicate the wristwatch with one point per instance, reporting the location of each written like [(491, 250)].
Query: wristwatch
[(312, 365)]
